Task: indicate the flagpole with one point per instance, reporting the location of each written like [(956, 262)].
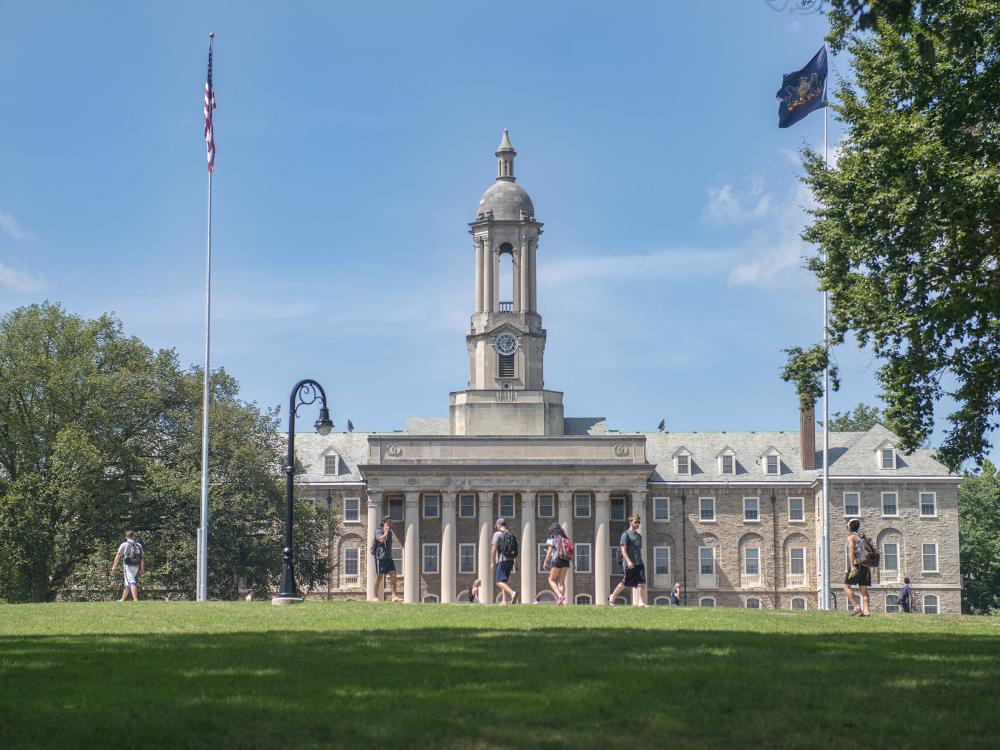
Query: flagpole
[(202, 582), (826, 581)]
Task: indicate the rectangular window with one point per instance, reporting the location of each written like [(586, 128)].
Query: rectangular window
[(706, 561), (706, 508), (618, 509), (930, 558), (546, 505), (661, 508), (684, 464), (890, 557), (396, 509), (751, 509), (852, 503), (751, 561), (889, 504), (330, 464), (797, 561), (432, 506), (930, 605), (617, 568), (796, 509), (661, 561), (466, 558), (581, 556), (581, 506), (506, 505), (928, 504), (728, 463), (773, 465), (397, 559), (891, 603), (542, 549), (888, 458), (352, 558), (466, 506), (430, 557), (352, 510)]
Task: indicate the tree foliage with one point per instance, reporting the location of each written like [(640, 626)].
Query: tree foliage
[(979, 532), (805, 368), (907, 219), (860, 419), (98, 434)]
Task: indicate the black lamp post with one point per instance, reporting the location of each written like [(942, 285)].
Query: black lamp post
[(304, 393)]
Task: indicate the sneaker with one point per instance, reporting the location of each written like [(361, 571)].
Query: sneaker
[(611, 602)]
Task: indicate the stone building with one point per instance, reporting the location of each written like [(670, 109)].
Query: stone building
[(734, 516)]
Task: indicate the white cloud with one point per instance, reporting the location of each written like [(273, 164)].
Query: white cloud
[(726, 205), (11, 228), (20, 281)]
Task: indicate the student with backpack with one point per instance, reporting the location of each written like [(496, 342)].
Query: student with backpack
[(862, 557), (503, 554), (630, 556), (906, 596), (381, 551), (131, 553), (558, 557)]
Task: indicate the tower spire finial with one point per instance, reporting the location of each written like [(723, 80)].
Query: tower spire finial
[(505, 159)]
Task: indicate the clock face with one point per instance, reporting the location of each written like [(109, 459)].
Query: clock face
[(506, 343)]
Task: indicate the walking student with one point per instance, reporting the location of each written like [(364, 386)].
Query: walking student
[(130, 552), (906, 596), (675, 595), (630, 548), (382, 558), (503, 554), (558, 556), (859, 575)]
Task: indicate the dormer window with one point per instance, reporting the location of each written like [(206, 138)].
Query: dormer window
[(727, 461), (682, 461), (772, 462), (887, 458), (331, 464)]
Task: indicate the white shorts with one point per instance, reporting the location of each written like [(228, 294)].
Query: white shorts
[(130, 574)]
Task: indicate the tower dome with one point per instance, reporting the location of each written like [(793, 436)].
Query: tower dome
[(505, 198)]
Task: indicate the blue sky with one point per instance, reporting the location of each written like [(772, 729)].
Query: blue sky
[(354, 141)]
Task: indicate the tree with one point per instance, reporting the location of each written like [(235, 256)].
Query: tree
[(908, 219), (861, 419), (979, 534)]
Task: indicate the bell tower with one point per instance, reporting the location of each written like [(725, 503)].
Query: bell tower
[(506, 391)]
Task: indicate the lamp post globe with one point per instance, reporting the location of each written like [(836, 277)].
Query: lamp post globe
[(304, 393)]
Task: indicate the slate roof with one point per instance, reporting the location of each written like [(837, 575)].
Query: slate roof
[(310, 448)]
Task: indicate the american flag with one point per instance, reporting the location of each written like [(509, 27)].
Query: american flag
[(209, 106)]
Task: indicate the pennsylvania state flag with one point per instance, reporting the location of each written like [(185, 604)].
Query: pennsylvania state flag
[(803, 91)]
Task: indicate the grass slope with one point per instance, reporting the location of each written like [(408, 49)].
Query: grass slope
[(249, 675)]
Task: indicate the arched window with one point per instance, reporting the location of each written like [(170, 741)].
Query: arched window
[(930, 604), (798, 603), (706, 601), (583, 599), (430, 599), (753, 602), (546, 597), (621, 600), (662, 601), (891, 603)]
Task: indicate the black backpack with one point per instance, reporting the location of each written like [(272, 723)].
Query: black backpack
[(508, 545), (866, 554), (133, 552)]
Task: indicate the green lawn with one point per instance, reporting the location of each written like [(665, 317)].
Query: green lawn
[(248, 675)]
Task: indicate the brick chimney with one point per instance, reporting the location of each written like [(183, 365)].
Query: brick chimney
[(807, 434)]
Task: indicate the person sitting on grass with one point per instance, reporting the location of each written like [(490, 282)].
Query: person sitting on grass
[(474, 591), (503, 554), (135, 565), (630, 548)]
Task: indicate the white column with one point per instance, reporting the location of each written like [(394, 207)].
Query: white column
[(533, 275), (449, 552), (374, 521), (485, 537), (515, 264), (479, 274), (495, 283), (639, 508), (566, 521), (411, 549), (525, 263), (529, 548), (602, 552)]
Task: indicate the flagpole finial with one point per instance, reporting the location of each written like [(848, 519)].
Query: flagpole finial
[(211, 35)]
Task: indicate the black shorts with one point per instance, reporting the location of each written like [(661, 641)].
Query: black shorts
[(634, 576), (863, 577), (560, 563), (386, 565)]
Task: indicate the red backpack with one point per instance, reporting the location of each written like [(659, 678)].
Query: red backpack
[(564, 546)]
